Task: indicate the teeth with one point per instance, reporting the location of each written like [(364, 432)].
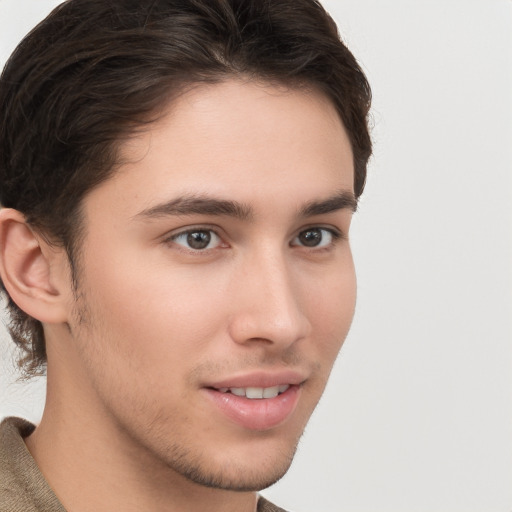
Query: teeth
[(237, 391), (254, 392), (257, 393), (271, 392)]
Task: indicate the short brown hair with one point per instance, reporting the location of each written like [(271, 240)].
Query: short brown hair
[(95, 70)]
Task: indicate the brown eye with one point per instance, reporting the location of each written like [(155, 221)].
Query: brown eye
[(311, 237), (315, 237), (198, 239)]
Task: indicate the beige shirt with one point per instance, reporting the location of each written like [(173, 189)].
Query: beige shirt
[(23, 487)]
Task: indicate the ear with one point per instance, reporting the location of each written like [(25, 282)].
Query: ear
[(31, 270)]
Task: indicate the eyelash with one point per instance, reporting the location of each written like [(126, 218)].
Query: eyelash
[(333, 233), (189, 232)]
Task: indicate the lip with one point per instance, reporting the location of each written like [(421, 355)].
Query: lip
[(260, 379), (257, 414)]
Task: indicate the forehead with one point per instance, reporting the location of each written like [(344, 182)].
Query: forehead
[(244, 139)]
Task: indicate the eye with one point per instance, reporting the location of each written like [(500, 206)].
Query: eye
[(316, 237), (197, 239)]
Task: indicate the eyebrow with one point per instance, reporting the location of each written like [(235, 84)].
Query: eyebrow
[(343, 200), (205, 205), (199, 205)]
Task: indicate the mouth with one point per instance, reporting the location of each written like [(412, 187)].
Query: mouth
[(255, 408), (256, 393)]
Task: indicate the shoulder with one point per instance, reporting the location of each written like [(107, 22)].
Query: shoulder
[(12, 489), (265, 506), (22, 486), (13, 451)]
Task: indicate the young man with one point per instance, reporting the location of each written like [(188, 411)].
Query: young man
[(177, 184)]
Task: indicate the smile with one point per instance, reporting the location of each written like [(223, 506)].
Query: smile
[(256, 408), (255, 393)]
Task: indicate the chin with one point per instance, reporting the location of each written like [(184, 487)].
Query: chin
[(244, 478), (233, 470)]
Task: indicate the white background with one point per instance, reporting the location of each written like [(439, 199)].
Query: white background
[(418, 413)]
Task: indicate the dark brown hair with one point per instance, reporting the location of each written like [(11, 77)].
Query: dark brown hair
[(96, 70)]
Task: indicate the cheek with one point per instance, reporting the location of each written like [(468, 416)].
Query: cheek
[(331, 311), (153, 313)]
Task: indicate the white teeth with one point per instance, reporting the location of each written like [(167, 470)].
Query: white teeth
[(237, 391), (257, 393), (271, 392), (254, 392)]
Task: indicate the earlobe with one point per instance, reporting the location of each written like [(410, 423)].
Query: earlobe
[(27, 268)]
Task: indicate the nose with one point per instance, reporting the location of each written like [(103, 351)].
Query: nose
[(267, 303)]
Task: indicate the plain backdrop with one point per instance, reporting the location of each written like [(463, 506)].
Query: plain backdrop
[(418, 414)]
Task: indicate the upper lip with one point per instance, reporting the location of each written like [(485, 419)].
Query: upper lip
[(260, 379)]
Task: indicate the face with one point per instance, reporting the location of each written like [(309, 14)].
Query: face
[(216, 283)]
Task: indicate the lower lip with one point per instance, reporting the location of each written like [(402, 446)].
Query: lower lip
[(256, 414)]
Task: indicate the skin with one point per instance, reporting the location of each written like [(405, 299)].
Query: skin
[(154, 322)]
